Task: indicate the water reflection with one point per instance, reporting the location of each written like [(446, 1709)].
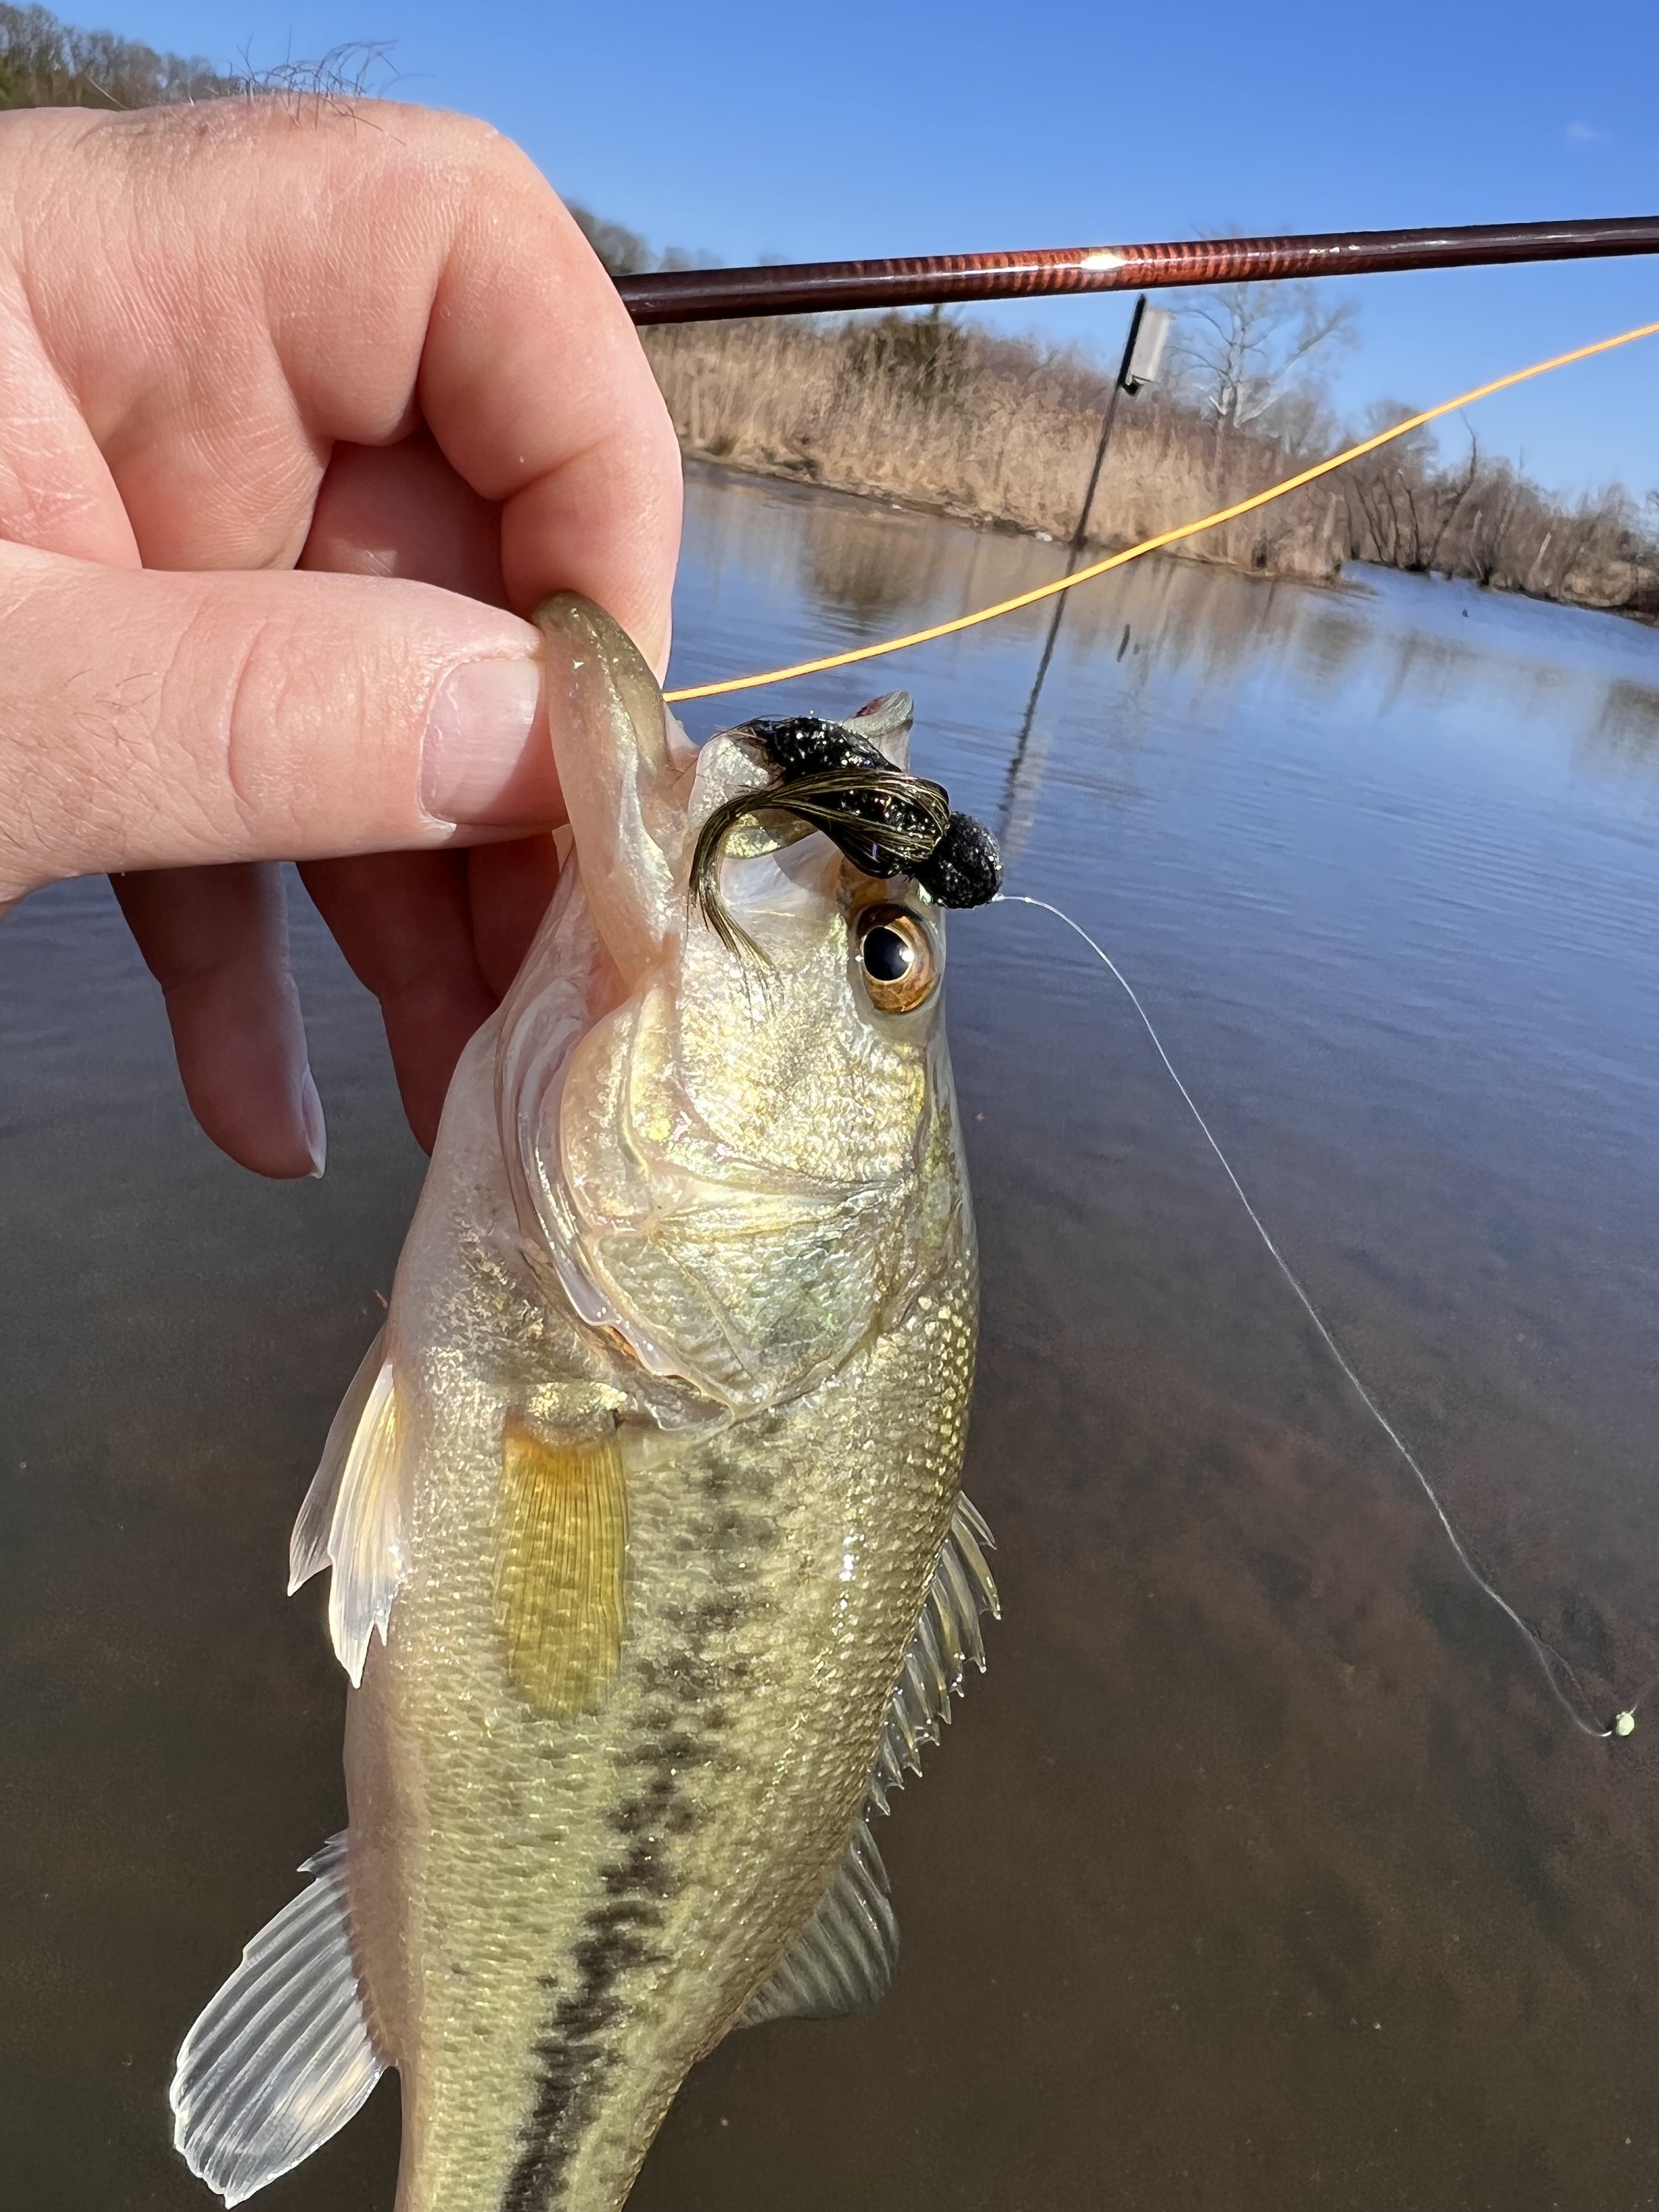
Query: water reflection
[(1258, 1872), (1626, 733), (879, 580), (863, 569)]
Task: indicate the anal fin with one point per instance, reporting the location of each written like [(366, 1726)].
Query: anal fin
[(844, 1959), (283, 2057)]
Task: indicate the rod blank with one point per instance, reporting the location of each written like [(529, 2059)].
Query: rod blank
[(694, 296)]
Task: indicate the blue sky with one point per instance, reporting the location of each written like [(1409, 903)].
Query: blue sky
[(868, 129)]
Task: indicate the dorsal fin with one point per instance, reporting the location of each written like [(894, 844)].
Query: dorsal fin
[(947, 1637), (843, 1961), (282, 2056), (353, 1516)]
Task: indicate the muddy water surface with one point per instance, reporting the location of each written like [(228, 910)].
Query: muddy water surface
[(1260, 1870)]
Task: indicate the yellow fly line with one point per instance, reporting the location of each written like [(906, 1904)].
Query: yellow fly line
[(1167, 537)]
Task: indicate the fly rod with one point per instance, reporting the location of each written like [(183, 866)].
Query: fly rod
[(805, 288)]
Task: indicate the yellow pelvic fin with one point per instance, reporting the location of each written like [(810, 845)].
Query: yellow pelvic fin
[(559, 1578)]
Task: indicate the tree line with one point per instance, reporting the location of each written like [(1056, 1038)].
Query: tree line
[(45, 63), (1481, 518)]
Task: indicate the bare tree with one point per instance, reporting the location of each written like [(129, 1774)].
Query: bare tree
[(45, 63), (623, 251), (1400, 503), (1242, 352)]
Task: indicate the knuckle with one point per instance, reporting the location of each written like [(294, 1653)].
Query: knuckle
[(463, 152)]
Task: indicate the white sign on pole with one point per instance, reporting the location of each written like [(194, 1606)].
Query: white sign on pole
[(1146, 355)]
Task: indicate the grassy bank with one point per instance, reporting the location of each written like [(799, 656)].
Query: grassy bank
[(925, 409)]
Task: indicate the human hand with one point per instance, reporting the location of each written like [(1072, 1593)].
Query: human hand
[(269, 371)]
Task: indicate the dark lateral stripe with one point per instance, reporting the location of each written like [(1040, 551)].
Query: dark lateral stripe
[(578, 2052), (575, 2053)]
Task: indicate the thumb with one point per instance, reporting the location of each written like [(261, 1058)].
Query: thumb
[(150, 719)]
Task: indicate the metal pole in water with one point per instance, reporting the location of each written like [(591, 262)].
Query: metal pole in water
[(1143, 358), (1109, 417)]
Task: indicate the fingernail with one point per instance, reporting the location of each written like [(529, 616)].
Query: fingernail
[(485, 757), (310, 1120)]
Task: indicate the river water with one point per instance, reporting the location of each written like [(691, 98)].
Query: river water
[(1260, 1870)]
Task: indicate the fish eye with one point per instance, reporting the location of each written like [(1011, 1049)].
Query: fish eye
[(897, 959)]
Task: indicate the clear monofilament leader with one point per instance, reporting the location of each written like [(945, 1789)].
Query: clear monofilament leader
[(1557, 1669)]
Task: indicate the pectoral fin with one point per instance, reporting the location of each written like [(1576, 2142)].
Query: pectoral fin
[(283, 2057), (561, 1572), (353, 1516)]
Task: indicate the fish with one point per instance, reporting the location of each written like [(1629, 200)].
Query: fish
[(649, 1563)]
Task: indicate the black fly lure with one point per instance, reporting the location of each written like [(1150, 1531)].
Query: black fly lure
[(885, 821)]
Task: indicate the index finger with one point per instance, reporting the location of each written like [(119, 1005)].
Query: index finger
[(216, 295), (571, 435)]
